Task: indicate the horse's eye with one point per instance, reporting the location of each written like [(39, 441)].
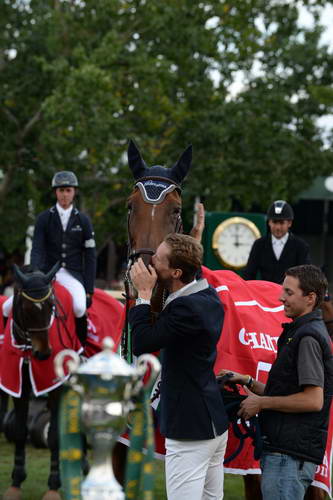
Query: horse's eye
[(177, 211), (129, 207)]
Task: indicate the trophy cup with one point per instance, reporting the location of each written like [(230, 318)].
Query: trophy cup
[(106, 384)]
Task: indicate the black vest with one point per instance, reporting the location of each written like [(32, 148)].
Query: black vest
[(302, 435)]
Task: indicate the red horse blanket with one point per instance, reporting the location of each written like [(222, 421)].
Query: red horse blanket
[(42, 375), (248, 344), (103, 320)]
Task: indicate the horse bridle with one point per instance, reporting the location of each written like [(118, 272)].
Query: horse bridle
[(133, 256), (22, 333)]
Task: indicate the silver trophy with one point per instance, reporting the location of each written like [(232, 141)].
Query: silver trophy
[(106, 383)]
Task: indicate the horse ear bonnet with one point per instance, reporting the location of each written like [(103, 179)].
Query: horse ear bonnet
[(174, 175), (34, 283)]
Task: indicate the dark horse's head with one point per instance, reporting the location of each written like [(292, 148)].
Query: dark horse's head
[(33, 306), (154, 207)]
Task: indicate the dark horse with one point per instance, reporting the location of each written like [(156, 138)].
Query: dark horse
[(35, 308), (154, 210)]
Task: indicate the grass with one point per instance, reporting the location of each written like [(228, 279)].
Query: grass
[(37, 461)]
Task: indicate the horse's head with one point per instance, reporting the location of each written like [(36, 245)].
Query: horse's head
[(154, 207), (32, 309)]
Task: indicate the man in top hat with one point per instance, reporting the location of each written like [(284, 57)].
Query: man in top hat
[(279, 250)]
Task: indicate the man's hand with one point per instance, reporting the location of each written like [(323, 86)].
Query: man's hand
[(143, 279), (237, 378), (197, 230), (250, 406)]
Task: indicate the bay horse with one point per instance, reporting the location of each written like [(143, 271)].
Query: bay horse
[(34, 334), (154, 210)]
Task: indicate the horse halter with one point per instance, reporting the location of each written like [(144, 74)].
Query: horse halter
[(22, 333)]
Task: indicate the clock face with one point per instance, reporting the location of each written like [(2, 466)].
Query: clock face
[(233, 240)]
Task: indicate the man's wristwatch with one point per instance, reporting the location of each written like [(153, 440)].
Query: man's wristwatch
[(139, 301), (250, 382)]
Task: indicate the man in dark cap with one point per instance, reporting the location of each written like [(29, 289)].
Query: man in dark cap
[(274, 253)]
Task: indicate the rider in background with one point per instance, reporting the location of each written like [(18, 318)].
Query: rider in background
[(274, 253), (64, 234)]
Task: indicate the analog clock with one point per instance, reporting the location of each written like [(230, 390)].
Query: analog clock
[(233, 240)]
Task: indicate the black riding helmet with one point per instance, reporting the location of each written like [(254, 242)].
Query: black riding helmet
[(64, 179), (280, 210)]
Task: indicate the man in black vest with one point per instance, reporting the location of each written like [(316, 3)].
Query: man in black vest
[(192, 416), (272, 254), (294, 405), (63, 234)]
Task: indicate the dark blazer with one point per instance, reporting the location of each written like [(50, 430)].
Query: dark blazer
[(74, 248), (262, 258), (187, 331)]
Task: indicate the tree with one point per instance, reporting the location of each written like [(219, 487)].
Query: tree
[(78, 79)]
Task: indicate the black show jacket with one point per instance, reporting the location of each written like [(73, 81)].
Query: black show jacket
[(73, 248), (187, 331)]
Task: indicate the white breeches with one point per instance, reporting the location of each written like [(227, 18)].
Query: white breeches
[(194, 469), (7, 306), (74, 287)]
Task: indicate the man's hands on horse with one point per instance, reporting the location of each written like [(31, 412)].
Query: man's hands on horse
[(199, 226), (143, 279)]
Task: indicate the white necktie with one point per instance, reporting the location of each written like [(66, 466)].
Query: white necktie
[(278, 247)]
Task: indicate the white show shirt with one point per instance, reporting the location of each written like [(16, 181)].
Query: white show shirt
[(278, 245), (64, 214)]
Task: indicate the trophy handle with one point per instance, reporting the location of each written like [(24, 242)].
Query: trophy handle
[(72, 364), (148, 360)]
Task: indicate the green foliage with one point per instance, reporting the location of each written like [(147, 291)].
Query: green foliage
[(77, 79)]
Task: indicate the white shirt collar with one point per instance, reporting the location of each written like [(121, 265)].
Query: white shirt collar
[(280, 241), (64, 214), (179, 292), (65, 211)]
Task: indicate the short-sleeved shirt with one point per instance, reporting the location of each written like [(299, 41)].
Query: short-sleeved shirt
[(310, 363)]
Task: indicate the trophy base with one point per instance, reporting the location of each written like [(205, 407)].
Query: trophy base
[(101, 492)]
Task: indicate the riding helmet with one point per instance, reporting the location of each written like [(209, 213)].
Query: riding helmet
[(280, 210), (64, 179)]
